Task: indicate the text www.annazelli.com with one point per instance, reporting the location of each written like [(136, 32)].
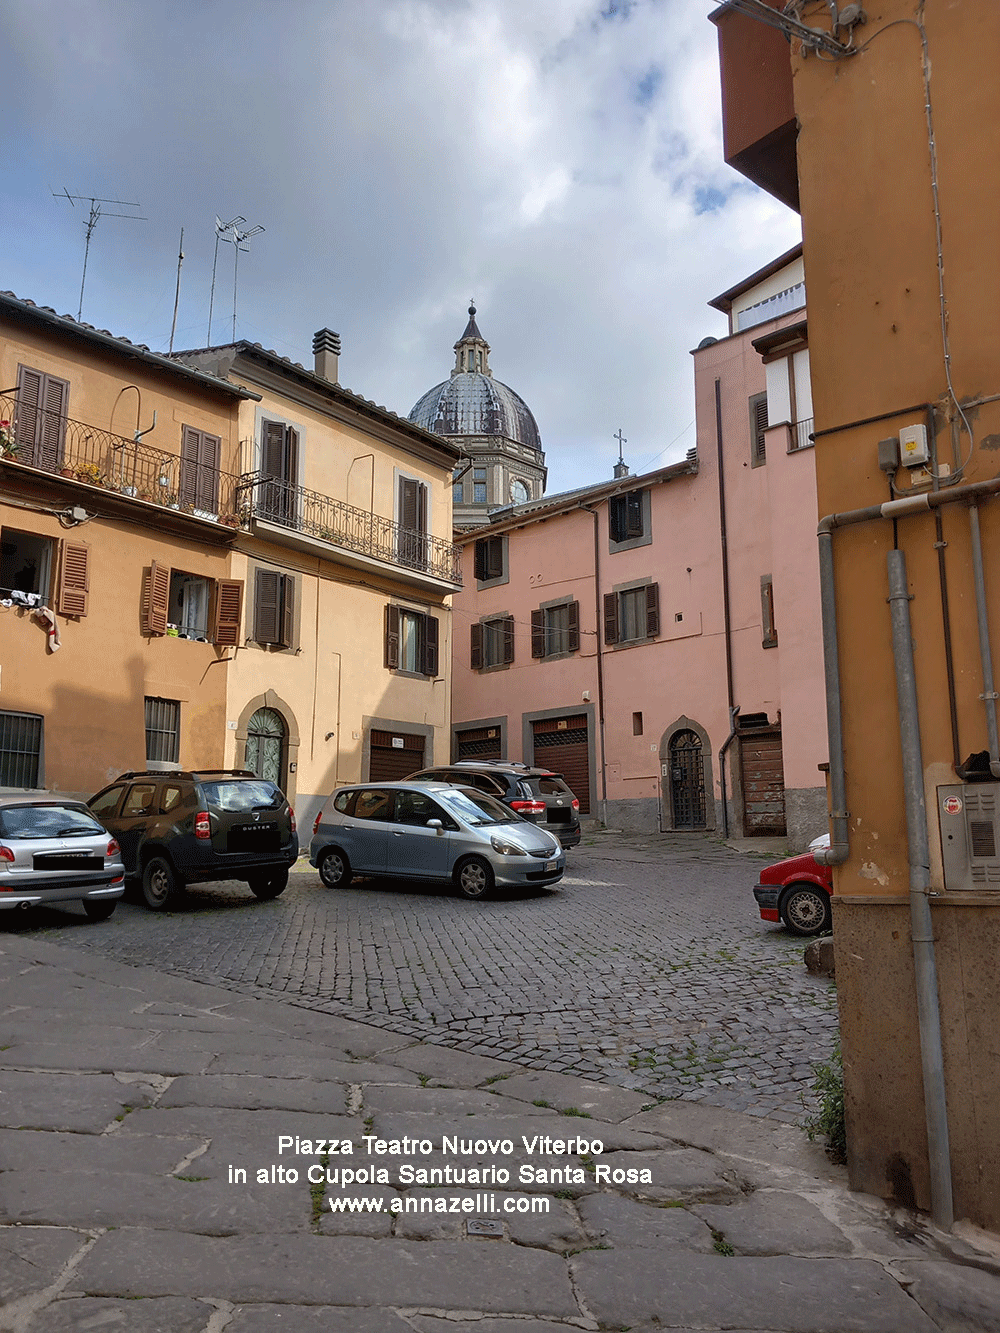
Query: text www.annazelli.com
[(444, 1203)]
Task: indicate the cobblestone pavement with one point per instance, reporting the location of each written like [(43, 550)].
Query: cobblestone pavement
[(648, 968)]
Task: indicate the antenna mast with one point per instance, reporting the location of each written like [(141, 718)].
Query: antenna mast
[(96, 213), (177, 292), (223, 232), (241, 240)]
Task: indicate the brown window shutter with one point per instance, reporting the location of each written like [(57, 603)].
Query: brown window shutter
[(74, 579), (573, 634), (476, 647), (652, 610), (208, 473), (633, 514), (228, 612), (190, 457), (29, 397), (421, 524), (52, 433), (291, 455), (272, 449), (481, 564), (287, 610), (408, 503), (155, 598), (758, 422), (430, 646), (494, 558), (392, 637), (267, 606), (616, 518), (610, 617), (538, 633), (508, 639)]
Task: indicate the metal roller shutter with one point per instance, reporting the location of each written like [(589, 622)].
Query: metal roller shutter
[(392, 761), (478, 743), (563, 744)]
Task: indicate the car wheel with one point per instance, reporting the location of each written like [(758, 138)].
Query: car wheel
[(268, 884), (334, 870), (805, 910), (474, 877), (159, 883), (100, 910)]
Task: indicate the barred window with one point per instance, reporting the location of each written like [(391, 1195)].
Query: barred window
[(163, 731), (20, 749)]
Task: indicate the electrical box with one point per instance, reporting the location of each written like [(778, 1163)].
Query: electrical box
[(969, 818), (913, 446)]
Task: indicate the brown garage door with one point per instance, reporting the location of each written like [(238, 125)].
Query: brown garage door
[(763, 784), (480, 743), (395, 755), (563, 744)]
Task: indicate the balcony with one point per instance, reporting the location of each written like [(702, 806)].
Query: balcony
[(37, 438), (316, 523)]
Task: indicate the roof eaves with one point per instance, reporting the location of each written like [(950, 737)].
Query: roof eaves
[(66, 324), (724, 301)]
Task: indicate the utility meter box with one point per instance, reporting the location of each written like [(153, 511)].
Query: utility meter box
[(969, 818), (913, 446)]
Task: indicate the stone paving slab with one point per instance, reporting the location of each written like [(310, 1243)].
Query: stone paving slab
[(102, 1054), (770, 1222), (794, 1295), (85, 1315), (251, 1092), (316, 1066), (451, 1067), (563, 1091), (40, 1150), (517, 1125), (330, 1270), (958, 1299), (83, 1103), (445, 1102), (29, 1256), (624, 1223), (325, 1319), (677, 1174)]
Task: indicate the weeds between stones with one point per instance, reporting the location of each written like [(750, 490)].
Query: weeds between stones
[(829, 1122)]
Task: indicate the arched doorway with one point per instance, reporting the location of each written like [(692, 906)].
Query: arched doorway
[(687, 780), (267, 747)]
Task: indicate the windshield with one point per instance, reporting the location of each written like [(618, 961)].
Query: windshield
[(48, 821), (476, 808), (244, 795)]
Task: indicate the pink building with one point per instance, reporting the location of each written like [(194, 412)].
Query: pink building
[(656, 638)]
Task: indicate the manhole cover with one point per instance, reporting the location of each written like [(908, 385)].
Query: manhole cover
[(482, 1226)]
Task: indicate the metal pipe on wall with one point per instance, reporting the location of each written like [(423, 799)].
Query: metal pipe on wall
[(989, 694), (921, 926)]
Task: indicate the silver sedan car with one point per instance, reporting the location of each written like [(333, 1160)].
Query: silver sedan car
[(431, 831), (55, 851)]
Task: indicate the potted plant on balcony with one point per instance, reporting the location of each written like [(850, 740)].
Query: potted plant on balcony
[(8, 446), (90, 473)]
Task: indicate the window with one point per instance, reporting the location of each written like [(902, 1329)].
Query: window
[(492, 643), (107, 802), (163, 731), (20, 750), (199, 474), (457, 492), (274, 608), (279, 461), (411, 641), (411, 510), (628, 520), (632, 615), (139, 800), (758, 425), (175, 600), (479, 485), (519, 493), (555, 629), (374, 805), (636, 724), (769, 635), (491, 559), (27, 563), (40, 421)]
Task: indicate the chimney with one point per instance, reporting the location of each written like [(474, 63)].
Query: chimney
[(326, 350)]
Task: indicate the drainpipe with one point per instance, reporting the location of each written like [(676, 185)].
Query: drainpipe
[(989, 694), (727, 617), (921, 927), (600, 660)]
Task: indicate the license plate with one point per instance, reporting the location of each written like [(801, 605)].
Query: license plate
[(551, 865)]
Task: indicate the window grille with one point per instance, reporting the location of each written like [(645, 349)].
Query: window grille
[(20, 749), (163, 731)]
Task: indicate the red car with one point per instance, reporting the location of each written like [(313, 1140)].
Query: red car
[(797, 892)]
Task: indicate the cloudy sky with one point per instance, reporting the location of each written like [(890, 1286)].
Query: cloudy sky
[(560, 163)]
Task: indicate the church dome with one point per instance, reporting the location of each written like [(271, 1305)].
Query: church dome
[(472, 402)]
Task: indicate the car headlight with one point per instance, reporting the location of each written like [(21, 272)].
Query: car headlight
[(505, 847)]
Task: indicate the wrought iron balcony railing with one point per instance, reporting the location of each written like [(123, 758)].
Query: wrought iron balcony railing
[(802, 434), (54, 443), (316, 515)]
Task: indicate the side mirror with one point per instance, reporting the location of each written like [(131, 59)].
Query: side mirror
[(435, 824)]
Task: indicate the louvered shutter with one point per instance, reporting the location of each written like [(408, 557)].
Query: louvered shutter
[(392, 637), (190, 449), (272, 449), (758, 420), (652, 610), (633, 514), (430, 646), (481, 550), (610, 617), (476, 647), (267, 606), (508, 639), (228, 612), (538, 633), (155, 598), (287, 610), (74, 579), (291, 459), (52, 430), (408, 503), (29, 397), (616, 518), (208, 474), (573, 626)]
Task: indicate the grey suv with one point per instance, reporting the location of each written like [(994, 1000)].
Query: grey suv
[(537, 794), (177, 828)]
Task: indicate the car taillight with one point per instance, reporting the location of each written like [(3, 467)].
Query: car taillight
[(319, 816), (113, 848), (575, 803), (202, 825), (6, 854), (528, 807), (291, 816)]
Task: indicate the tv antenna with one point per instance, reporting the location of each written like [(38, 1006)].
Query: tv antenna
[(223, 232), (96, 213), (241, 240)]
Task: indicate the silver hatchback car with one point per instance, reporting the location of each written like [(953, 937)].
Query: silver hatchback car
[(55, 851), (431, 831)]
